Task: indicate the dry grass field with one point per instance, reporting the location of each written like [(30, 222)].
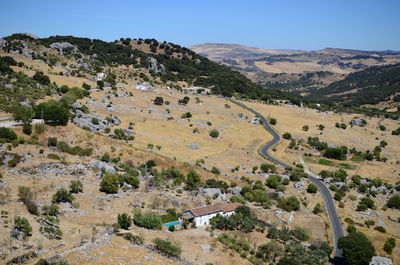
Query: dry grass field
[(291, 119), (153, 125)]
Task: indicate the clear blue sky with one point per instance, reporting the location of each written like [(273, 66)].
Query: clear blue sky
[(296, 24)]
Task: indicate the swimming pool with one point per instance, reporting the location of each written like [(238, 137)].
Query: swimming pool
[(171, 223)]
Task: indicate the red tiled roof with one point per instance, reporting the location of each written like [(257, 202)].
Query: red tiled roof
[(215, 208)]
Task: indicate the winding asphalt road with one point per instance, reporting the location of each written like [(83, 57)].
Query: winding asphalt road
[(337, 228)]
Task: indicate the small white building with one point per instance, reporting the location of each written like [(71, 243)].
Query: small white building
[(202, 216), (100, 76), (144, 86)]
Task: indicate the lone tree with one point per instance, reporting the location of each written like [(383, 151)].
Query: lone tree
[(312, 188), (214, 133), (124, 221), (158, 101), (23, 114), (287, 136), (357, 249)]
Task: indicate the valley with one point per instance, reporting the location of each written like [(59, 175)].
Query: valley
[(132, 137)]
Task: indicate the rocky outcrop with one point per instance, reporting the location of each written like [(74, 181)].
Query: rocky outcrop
[(153, 65), (90, 121), (63, 45), (100, 165), (214, 193), (377, 260), (114, 120), (3, 44), (358, 122)]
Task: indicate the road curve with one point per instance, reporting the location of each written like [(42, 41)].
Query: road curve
[(337, 228)]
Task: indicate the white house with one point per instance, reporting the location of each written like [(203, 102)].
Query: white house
[(201, 216), (144, 86), (100, 76)]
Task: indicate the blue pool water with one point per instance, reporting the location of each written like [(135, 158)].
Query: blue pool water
[(171, 223)]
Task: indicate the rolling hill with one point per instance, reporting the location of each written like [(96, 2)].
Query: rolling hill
[(295, 71), (162, 62)]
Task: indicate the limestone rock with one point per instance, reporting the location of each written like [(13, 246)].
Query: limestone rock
[(377, 260), (299, 185), (3, 44), (100, 165), (62, 45), (236, 191), (114, 120), (193, 146), (153, 65), (358, 122)]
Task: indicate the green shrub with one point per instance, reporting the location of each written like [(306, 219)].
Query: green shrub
[(214, 133), (273, 121), (237, 199), (215, 171), (52, 141), (267, 168), (109, 184), (186, 115), (192, 180), (13, 162), (76, 186), (51, 210), (22, 224), (168, 248), (380, 229), (54, 156), (27, 129), (52, 112), (106, 157), (357, 249), (62, 195), (351, 229), (289, 204), (124, 221), (171, 228), (389, 245), (394, 202), (7, 134), (273, 181), (41, 78), (158, 101), (312, 188), (369, 223), (134, 239), (318, 209), (287, 136), (147, 220)]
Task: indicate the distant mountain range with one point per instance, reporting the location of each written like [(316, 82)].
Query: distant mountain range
[(305, 72)]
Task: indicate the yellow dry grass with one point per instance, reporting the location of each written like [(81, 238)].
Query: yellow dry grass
[(291, 119)]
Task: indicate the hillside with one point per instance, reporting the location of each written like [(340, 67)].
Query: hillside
[(103, 146), (295, 71), (369, 86), (159, 62)]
